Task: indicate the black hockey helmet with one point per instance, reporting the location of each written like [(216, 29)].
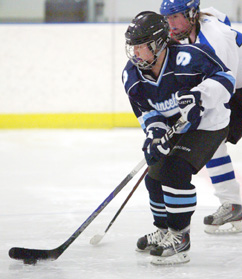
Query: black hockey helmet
[(150, 28)]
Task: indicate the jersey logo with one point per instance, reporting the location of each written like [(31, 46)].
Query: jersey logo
[(166, 105), (183, 58)]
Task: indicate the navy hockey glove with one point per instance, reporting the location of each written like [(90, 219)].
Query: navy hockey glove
[(189, 103), (153, 148)]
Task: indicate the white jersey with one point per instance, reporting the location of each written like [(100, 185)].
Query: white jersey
[(226, 42), (219, 15)]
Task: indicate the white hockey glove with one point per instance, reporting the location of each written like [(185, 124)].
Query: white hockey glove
[(153, 148), (189, 103)]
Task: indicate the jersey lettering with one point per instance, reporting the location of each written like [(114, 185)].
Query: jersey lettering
[(166, 105), (183, 58)]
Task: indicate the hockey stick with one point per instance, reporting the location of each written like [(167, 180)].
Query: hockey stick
[(98, 237), (30, 256)]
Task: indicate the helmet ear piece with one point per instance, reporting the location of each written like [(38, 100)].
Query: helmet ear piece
[(192, 13), (159, 42)]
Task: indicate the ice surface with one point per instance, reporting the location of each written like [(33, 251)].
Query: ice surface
[(52, 180)]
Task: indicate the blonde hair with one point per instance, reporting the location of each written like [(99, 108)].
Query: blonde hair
[(201, 15)]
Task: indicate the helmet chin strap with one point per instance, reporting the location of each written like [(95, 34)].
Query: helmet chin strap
[(152, 47), (157, 55)]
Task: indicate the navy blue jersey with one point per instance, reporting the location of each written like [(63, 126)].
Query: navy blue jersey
[(194, 67)]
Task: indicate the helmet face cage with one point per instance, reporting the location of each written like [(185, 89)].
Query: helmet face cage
[(190, 15), (138, 62), (146, 28)]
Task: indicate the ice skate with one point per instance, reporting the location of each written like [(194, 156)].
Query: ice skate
[(151, 240), (227, 219), (172, 249)]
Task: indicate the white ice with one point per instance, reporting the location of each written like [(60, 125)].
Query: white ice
[(52, 180)]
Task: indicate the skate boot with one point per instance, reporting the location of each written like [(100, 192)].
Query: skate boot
[(173, 248), (227, 219), (148, 241)]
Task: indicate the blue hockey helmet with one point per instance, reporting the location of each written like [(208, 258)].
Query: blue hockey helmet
[(171, 7)]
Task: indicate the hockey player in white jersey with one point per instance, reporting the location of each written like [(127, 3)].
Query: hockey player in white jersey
[(165, 80), (190, 25)]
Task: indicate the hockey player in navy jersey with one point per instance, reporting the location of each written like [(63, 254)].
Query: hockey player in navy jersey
[(165, 80), (190, 25)]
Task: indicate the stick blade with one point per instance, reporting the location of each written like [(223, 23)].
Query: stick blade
[(30, 256), (96, 239)]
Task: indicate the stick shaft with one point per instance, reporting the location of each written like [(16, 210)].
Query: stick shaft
[(127, 199), (103, 204)]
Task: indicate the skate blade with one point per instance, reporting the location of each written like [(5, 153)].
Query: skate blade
[(179, 258), (146, 250), (228, 228)]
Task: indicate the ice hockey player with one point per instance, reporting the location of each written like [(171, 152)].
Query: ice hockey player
[(165, 80), (190, 25)]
